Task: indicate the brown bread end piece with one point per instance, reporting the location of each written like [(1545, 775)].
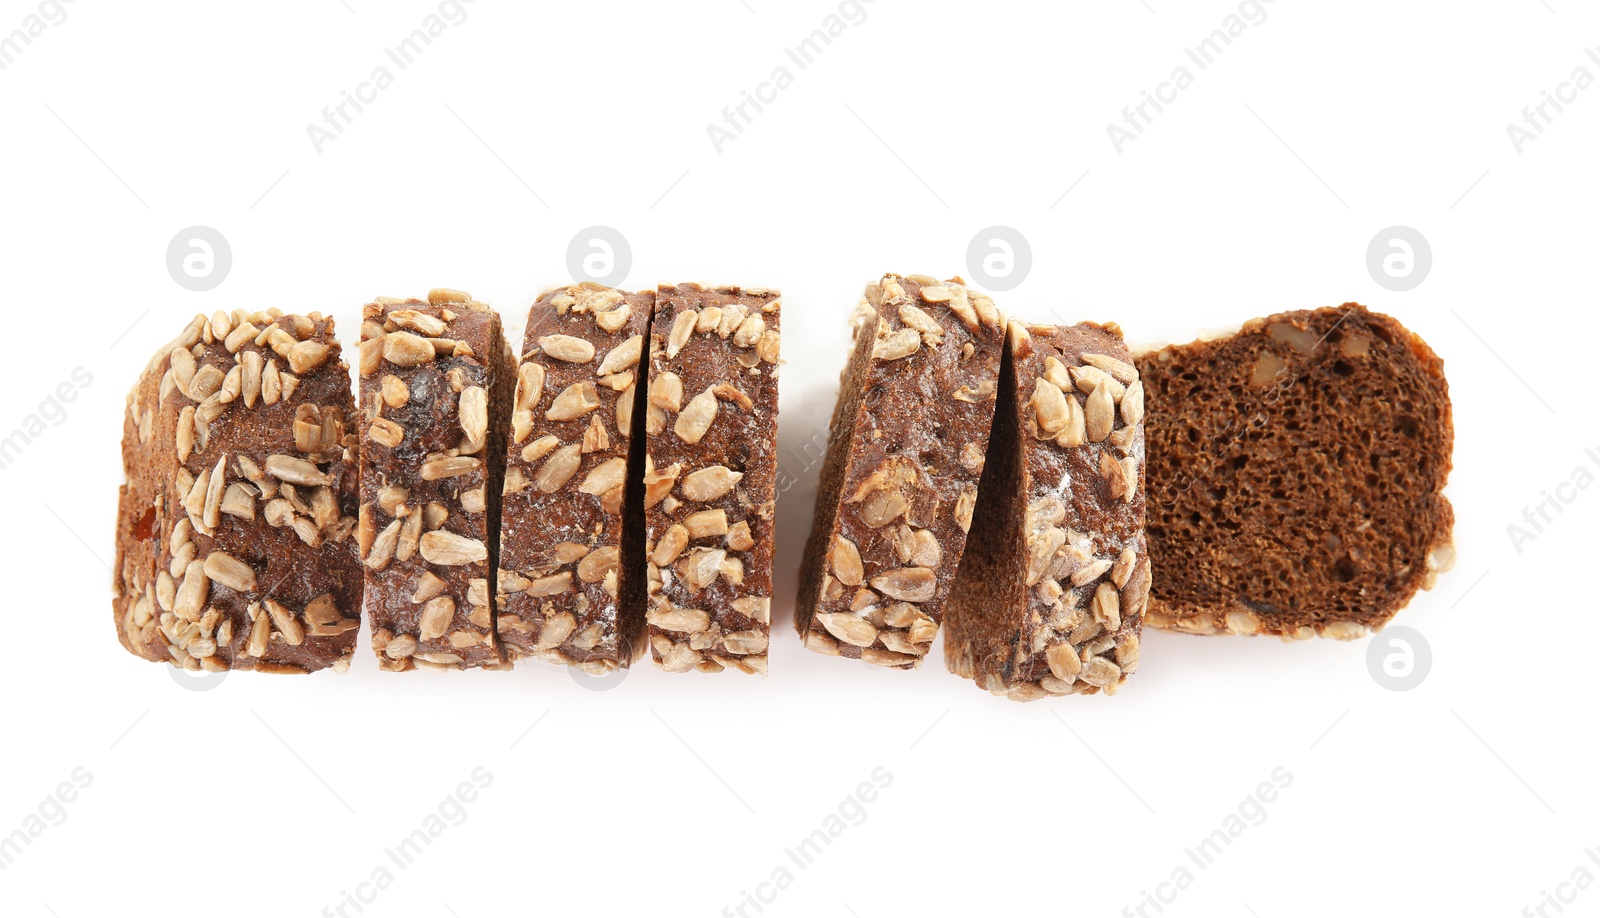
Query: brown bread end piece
[(235, 524), (1296, 476)]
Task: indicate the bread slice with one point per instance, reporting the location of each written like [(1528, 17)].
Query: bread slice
[(905, 454), (1057, 572), (437, 379), (710, 482), (234, 546), (1296, 475), (571, 579)]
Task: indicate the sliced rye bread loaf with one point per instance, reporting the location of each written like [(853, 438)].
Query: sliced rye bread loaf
[(234, 524), (1296, 475), (571, 579), (905, 453), (710, 476), (437, 380), (1057, 572)]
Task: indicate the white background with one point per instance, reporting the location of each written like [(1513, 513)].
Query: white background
[(1258, 190)]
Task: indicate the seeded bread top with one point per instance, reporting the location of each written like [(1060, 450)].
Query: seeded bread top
[(1088, 568), (1296, 476), (711, 475), (433, 375), (902, 481), (242, 460), (561, 584)]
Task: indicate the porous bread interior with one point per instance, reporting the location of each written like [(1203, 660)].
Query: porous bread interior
[(831, 485), (1309, 502), (989, 594)]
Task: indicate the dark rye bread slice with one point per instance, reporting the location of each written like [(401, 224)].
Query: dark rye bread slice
[(1057, 571), (234, 524), (905, 453), (710, 482), (437, 380), (1296, 475), (571, 579)]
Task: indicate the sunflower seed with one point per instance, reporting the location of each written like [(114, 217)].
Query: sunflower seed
[(739, 537), (192, 592), (553, 585), (574, 402), (559, 468), (670, 546), (229, 571), (845, 559), (260, 632), (1107, 607), (605, 476), (395, 392), (449, 467), (1088, 379), (1133, 404), (447, 548), (769, 346), (668, 617), (848, 628), (1124, 373), (442, 296), (666, 391), (909, 584), (429, 585), (706, 524), (307, 356), (749, 331), (964, 506), (1050, 407), (1130, 477), (710, 483), (697, 418), (401, 647), (386, 432), (897, 345), (295, 471), (623, 356), (598, 563), (285, 621), (1099, 415), (1100, 671), (437, 614), (530, 386), (407, 350), (539, 449), (567, 348), (1063, 661), (473, 406), (683, 326)]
